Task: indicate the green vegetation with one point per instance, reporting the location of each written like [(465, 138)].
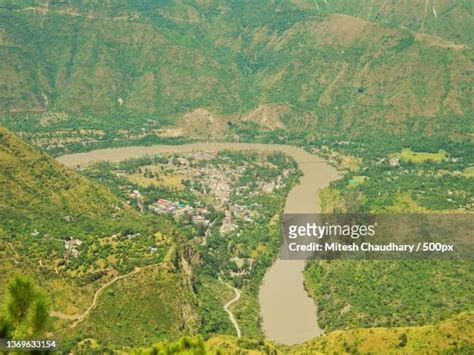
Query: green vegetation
[(424, 179), (148, 306), (186, 345), (84, 75), (26, 311), (65, 195), (435, 180), (72, 236), (450, 336), (366, 294), (212, 295), (381, 89), (420, 157)]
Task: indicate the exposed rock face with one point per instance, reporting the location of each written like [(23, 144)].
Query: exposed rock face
[(202, 124), (185, 260)]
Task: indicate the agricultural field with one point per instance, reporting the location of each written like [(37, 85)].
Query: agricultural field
[(419, 157)]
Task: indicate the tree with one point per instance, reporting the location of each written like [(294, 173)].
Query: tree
[(39, 316), (403, 340), (20, 296), (26, 309)]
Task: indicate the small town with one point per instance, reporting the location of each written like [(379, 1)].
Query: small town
[(213, 180)]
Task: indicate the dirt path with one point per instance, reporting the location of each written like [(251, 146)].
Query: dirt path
[(229, 312), (78, 318)]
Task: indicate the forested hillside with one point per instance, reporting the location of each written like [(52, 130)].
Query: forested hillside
[(73, 235), (447, 337), (40, 196), (335, 67)]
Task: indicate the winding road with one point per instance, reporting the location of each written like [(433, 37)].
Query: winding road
[(78, 318), (229, 312)]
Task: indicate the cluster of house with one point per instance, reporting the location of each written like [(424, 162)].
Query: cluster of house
[(201, 155), (179, 209), (209, 179), (71, 245), (270, 186), (243, 213), (186, 159), (218, 180)]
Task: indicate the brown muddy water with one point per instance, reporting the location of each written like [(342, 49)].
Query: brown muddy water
[(289, 315)]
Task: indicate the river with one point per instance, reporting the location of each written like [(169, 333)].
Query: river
[(289, 315)]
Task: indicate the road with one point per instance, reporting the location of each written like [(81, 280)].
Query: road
[(78, 318), (229, 312)]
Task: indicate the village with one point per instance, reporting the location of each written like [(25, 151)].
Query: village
[(209, 180), (216, 193)]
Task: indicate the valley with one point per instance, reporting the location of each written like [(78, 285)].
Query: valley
[(155, 180), (297, 321), (148, 150)]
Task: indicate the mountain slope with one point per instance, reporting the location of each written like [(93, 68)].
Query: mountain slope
[(38, 193), (73, 236), (342, 66), (450, 20)]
